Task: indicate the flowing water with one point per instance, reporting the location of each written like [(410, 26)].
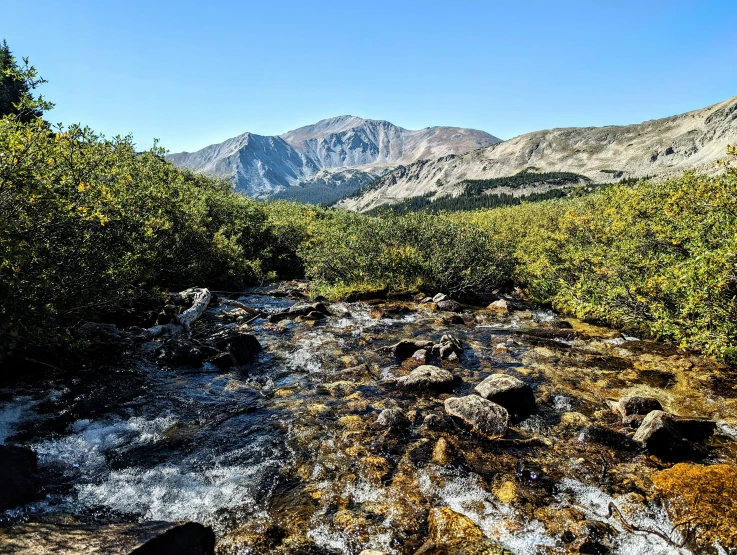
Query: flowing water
[(289, 443)]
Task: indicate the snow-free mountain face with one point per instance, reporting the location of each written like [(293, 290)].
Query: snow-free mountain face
[(262, 166), (656, 148)]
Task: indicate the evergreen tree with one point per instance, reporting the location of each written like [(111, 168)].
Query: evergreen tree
[(16, 84)]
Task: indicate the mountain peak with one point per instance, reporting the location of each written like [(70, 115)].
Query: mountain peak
[(322, 128), (261, 165)]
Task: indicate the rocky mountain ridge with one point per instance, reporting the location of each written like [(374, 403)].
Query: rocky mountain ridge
[(658, 148), (261, 166)]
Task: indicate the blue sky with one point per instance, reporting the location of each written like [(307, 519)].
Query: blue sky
[(193, 73)]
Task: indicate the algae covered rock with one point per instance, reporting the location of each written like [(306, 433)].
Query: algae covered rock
[(451, 533), (701, 500)]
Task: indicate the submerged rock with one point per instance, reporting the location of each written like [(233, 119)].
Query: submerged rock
[(392, 418), (703, 497), (149, 538), (427, 377), (451, 533), (19, 483), (511, 393), (670, 438), (485, 417), (242, 346), (421, 356)]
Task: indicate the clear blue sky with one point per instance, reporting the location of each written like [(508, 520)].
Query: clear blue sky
[(193, 73)]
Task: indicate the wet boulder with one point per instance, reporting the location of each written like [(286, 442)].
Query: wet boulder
[(448, 345), (310, 307), (483, 416), (499, 306), (448, 306), (184, 352), (440, 297), (421, 356), (311, 317), (427, 377), (407, 347), (392, 418), (243, 347), (670, 438), (632, 410), (18, 476), (511, 393), (299, 310)]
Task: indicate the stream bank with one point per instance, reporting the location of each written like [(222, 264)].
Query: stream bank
[(328, 439)]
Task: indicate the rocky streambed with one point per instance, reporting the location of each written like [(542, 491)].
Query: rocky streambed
[(399, 426)]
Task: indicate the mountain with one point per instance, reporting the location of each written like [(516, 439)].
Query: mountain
[(656, 148), (322, 153)]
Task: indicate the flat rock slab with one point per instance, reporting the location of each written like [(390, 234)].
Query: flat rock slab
[(485, 417), (427, 377), (112, 539), (511, 393)]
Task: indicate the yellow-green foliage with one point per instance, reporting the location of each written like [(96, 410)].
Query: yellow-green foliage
[(658, 258), (85, 222), (416, 251)]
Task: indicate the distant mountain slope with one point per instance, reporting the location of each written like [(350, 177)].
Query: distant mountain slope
[(262, 166), (654, 148)]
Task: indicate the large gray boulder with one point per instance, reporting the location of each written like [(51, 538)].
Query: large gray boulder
[(427, 377), (511, 393), (483, 416)]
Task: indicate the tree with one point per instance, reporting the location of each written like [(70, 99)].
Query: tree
[(16, 83)]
